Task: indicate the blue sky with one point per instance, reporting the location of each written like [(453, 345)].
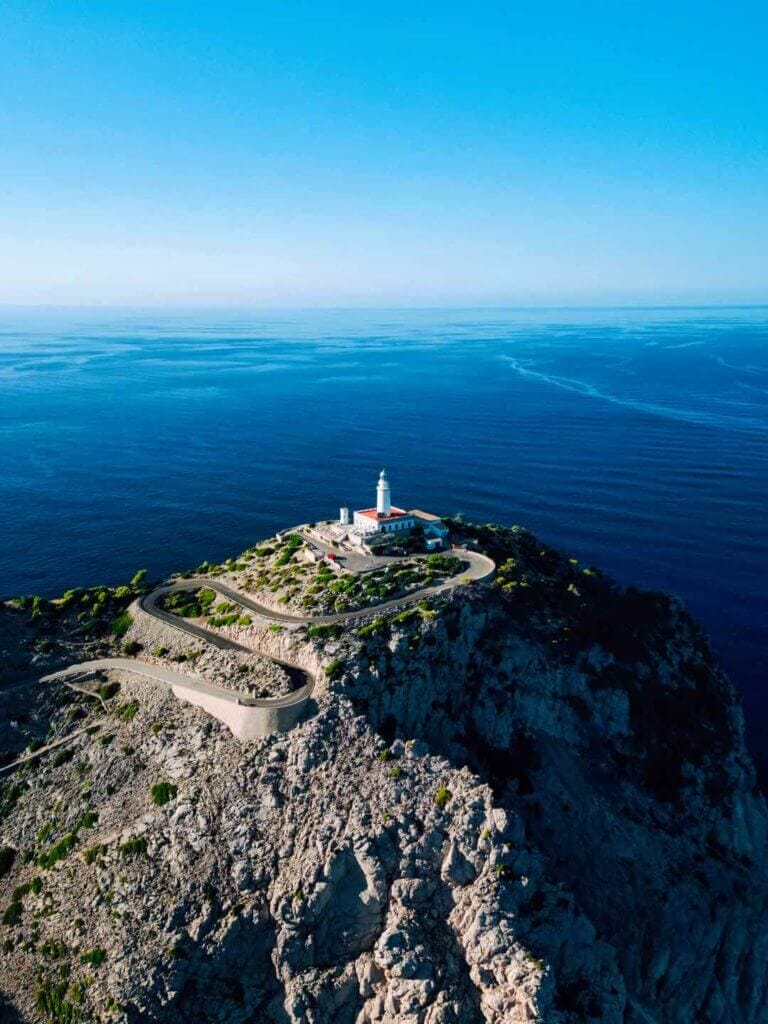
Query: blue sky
[(400, 153)]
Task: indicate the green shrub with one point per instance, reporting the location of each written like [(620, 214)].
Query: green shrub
[(50, 1000), (62, 756), (275, 628), (131, 647), (334, 669), (121, 624), (160, 652), (330, 631), (224, 620), (397, 772), (87, 820), (53, 949), (95, 957), (12, 914), (127, 711), (45, 832), (244, 620), (133, 847), (163, 792), (442, 796), (380, 625), (138, 579), (21, 891), (446, 565), (94, 852), (58, 851), (405, 616)]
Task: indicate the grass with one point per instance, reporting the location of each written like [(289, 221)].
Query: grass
[(94, 957), (121, 624), (162, 793), (189, 604), (133, 848), (59, 851), (51, 1001), (324, 632), (334, 669), (379, 625), (13, 913), (62, 757), (45, 832), (127, 712), (226, 620), (443, 796)]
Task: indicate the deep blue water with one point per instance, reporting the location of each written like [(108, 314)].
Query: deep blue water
[(636, 440)]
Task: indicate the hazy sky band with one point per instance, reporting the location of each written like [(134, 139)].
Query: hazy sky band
[(346, 153)]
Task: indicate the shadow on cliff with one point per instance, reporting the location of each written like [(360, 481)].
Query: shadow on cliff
[(9, 1014), (233, 981)]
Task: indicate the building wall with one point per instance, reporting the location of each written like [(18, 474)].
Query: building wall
[(401, 525), (365, 525)]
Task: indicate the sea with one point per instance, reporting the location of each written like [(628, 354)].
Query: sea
[(634, 439)]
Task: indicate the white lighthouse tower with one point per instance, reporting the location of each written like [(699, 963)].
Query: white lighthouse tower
[(383, 498)]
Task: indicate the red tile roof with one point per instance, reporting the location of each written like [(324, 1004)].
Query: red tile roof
[(371, 513)]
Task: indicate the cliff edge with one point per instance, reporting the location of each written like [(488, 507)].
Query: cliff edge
[(522, 800)]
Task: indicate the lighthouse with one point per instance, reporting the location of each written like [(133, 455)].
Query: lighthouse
[(383, 499)]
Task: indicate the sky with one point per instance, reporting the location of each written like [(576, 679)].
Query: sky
[(407, 153)]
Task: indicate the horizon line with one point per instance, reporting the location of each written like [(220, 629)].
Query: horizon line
[(373, 307)]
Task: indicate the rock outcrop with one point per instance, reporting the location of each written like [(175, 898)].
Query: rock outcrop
[(525, 801)]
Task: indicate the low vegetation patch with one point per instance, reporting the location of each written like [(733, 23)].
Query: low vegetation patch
[(134, 848), (58, 851), (162, 793), (127, 712), (189, 604), (94, 957), (121, 624), (443, 796), (279, 574), (51, 1001), (334, 669)]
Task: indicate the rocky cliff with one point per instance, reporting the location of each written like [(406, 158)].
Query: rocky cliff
[(527, 801)]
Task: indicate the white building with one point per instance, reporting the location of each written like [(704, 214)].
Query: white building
[(388, 521), (435, 530), (386, 517)]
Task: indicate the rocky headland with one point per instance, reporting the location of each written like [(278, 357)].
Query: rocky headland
[(524, 799)]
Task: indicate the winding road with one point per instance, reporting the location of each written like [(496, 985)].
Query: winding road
[(249, 717)]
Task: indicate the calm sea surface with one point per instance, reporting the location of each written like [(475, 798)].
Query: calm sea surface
[(637, 440)]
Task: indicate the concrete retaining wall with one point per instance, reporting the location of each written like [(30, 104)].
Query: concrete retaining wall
[(247, 722)]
